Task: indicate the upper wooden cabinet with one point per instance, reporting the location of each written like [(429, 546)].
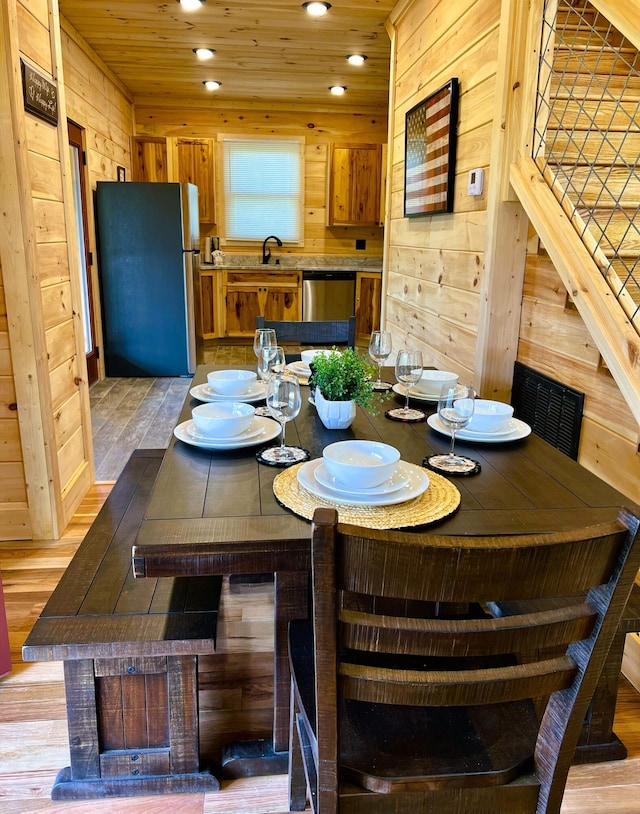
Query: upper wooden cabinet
[(195, 166), (149, 159), (186, 160), (354, 179)]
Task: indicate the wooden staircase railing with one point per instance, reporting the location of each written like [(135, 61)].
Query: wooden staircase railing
[(580, 185)]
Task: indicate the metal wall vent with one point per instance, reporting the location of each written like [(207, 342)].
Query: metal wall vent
[(552, 410)]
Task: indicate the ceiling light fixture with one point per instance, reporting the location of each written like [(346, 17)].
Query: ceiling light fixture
[(211, 84), (356, 59), (204, 53), (337, 90), (191, 5), (316, 9)]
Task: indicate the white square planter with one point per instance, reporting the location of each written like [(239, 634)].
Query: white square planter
[(335, 415)]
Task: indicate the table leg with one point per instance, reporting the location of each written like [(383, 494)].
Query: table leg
[(598, 741), (253, 758)]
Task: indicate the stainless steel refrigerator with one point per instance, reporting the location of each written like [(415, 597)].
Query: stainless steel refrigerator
[(148, 247)]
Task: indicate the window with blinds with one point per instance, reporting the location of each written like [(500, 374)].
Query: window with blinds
[(263, 189)]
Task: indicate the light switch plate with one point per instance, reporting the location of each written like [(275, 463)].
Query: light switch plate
[(475, 182)]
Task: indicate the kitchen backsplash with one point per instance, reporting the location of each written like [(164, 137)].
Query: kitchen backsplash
[(302, 261)]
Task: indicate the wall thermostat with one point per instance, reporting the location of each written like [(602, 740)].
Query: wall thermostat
[(476, 181)]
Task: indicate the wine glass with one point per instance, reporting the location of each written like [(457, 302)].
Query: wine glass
[(379, 351), (263, 338), (408, 372), (283, 403), (455, 410), (271, 361)]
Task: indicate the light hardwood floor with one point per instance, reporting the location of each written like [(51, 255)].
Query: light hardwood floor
[(33, 735)]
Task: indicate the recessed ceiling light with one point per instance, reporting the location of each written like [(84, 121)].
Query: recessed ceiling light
[(337, 90), (211, 84), (204, 53), (356, 59), (190, 5), (316, 9)]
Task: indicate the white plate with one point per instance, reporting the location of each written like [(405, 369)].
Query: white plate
[(270, 430), (509, 428), (520, 430), (415, 394), (253, 429), (399, 479), (417, 484), (299, 369), (203, 392)]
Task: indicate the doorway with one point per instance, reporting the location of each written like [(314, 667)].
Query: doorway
[(78, 180)]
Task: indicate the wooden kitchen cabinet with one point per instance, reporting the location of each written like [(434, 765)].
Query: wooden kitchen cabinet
[(248, 293), (183, 160), (194, 158), (207, 304), (368, 302), (149, 159), (354, 180)]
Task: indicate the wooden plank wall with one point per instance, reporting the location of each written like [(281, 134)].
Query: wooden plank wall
[(15, 523), (37, 32), (555, 341), (318, 128), (54, 418), (435, 263)]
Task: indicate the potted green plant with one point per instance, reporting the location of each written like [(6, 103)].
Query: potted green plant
[(342, 380)]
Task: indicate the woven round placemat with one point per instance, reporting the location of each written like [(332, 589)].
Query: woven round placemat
[(439, 500)]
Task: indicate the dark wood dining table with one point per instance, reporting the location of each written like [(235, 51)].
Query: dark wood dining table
[(214, 512)]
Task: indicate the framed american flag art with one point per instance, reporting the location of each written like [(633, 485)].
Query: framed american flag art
[(430, 153)]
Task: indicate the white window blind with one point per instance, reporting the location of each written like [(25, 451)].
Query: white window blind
[(263, 189)]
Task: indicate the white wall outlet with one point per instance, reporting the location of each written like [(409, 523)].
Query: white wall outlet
[(475, 182)]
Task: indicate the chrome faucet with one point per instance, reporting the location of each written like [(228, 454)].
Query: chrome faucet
[(266, 255)]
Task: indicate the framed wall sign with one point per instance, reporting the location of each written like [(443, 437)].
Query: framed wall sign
[(40, 93), (430, 153)]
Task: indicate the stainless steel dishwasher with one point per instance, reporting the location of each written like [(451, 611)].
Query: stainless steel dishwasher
[(328, 294)]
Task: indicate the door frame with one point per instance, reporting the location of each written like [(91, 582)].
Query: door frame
[(76, 139)]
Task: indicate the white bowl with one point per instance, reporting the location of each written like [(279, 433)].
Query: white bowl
[(308, 356), (490, 416), (223, 419), (360, 463), (432, 381), (231, 382)]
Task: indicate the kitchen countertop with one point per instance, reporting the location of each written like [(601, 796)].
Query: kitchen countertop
[(302, 262)]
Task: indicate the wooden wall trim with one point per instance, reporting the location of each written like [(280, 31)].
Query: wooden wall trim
[(397, 13), (507, 225), (616, 339), (72, 256), (24, 305), (388, 173)]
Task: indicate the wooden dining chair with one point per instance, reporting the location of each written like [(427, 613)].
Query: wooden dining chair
[(324, 332), (409, 695)]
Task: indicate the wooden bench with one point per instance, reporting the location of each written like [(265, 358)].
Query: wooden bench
[(130, 650)]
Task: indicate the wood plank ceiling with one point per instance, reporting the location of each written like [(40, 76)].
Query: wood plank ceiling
[(270, 52)]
